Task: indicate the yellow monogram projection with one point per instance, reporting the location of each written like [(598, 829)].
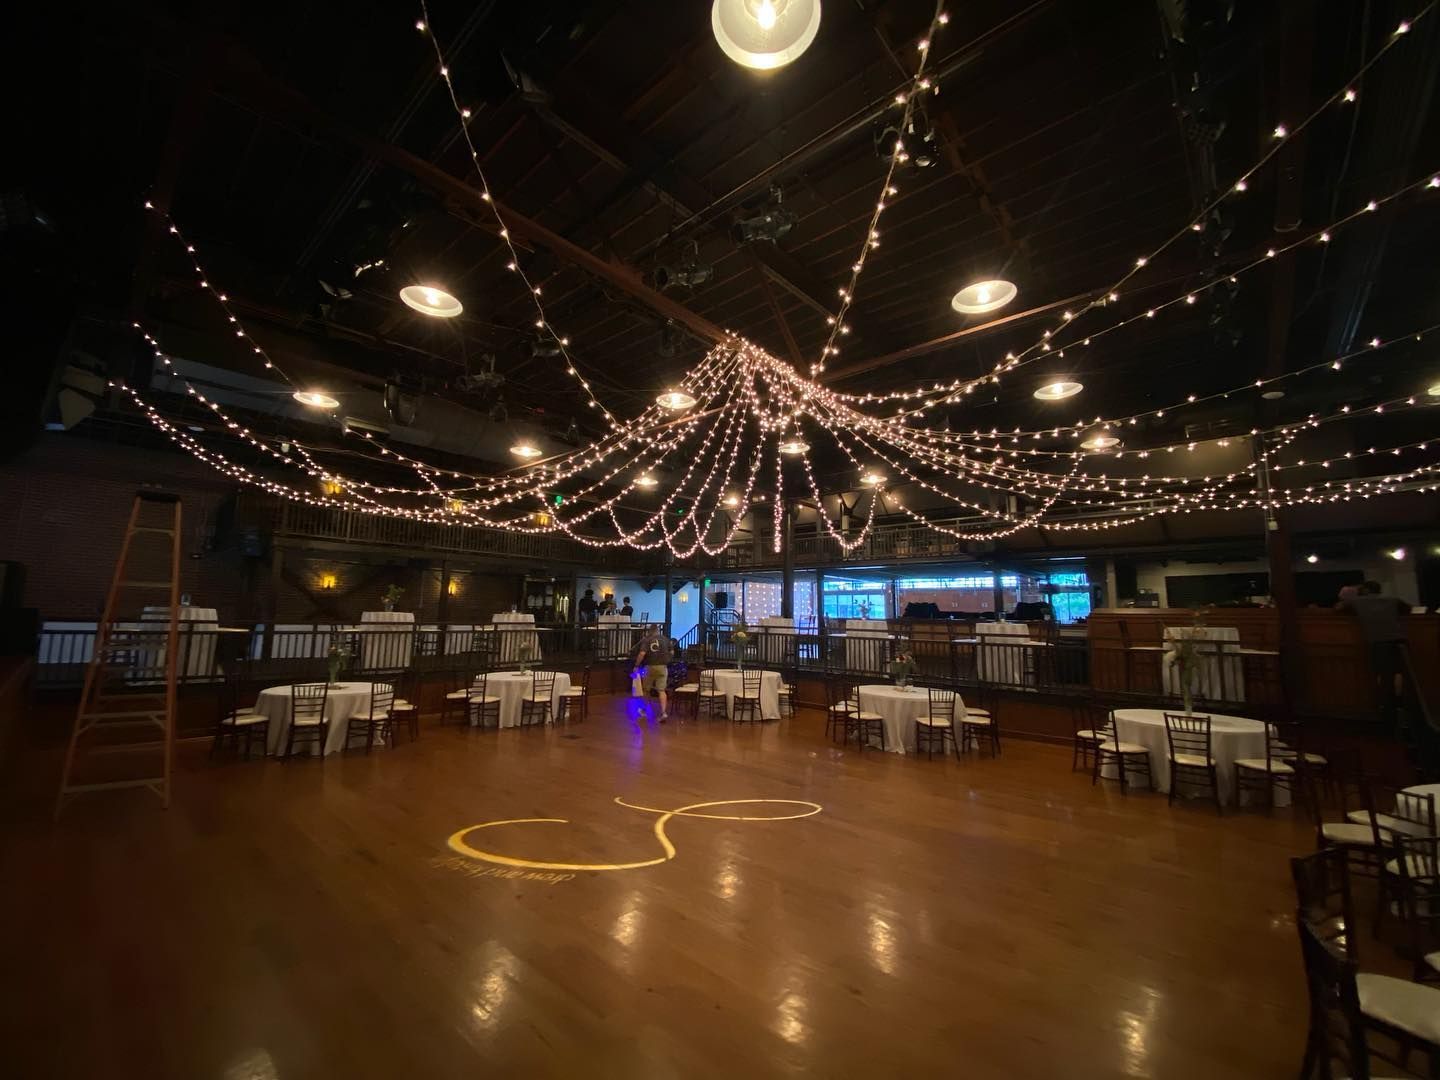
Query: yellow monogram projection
[(460, 844)]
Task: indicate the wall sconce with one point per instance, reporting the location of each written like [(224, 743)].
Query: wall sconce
[(455, 506), (453, 587), (684, 598), (541, 518), (331, 487), (327, 581)]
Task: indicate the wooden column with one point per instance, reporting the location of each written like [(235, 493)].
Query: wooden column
[(787, 573), (669, 568), (277, 568)]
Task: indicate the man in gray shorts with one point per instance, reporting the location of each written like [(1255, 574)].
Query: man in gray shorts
[(652, 661)]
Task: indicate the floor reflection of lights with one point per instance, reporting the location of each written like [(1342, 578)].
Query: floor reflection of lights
[(790, 1018), (882, 942), (1135, 1033), (254, 1065), (494, 987), (727, 882), (625, 931)]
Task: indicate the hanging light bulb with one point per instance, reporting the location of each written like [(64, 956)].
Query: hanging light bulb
[(675, 400), (794, 446), (646, 481), (983, 296), (1058, 390), (430, 300), (764, 34), (316, 399), (732, 501), (1100, 442), (873, 478), (526, 450)]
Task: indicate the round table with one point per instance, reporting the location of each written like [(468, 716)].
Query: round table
[(1231, 737), (899, 708), (730, 682), (342, 701), (511, 686)]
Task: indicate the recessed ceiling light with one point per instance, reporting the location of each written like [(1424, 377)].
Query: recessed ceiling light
[(646, 481), (732, 500), (1100, 442), (1398, 554), (983, 296), (1312, 559), (764, 34), (794, 446), (1059, 390), (872, 477), (526, 450), (676, 400), (316, 399), (429, 300)]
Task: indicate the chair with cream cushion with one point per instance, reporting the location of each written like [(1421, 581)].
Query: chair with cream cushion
[(457, 693), (1191, 759), (1127, 757), (307, 716), (1088, 720), (938, 722), (536, 704), (1359, 841), (840, 702), (1413, 865), (978, 724), (373, 718), (710, 699), (480, 704), (575, 702), (403, 711), (745, 705), (236, 721), (1266, 773)]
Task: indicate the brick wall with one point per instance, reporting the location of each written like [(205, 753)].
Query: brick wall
[(63, 506)]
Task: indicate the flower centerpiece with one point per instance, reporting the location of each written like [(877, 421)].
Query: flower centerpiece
[(336, 658), (392, 596), (741, 637), (526, 655), (902, 669), (1183, 657)]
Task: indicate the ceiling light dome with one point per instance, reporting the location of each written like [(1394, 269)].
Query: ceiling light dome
[(1059, 390), (984, 296), (676, 400), (764, 34), (316, 399), (646, 481), (526, 450), (431, 300), (794, 446), (873, 477), (1433, 389), (1100, 442)]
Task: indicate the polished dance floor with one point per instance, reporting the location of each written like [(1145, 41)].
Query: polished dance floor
[(602, 901)]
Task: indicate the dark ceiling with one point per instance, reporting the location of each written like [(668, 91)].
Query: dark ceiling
[(1070, 137)]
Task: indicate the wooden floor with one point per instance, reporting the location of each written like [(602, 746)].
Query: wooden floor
[(979, 919)]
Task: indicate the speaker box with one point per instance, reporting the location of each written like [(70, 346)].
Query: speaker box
[(12, 584), (721, 600), (1126, 584)]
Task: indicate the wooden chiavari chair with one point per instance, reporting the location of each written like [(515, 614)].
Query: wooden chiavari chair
[(536, 706), (938, 723), (308, 722), (745, 706), (374, 718), (1191, 759)]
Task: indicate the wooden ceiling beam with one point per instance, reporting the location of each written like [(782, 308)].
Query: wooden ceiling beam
[(274, 98)]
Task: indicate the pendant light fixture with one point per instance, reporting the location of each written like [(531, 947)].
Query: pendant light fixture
[(794, 446), (646, 481), (526, 450), (431, 300), (316, 399), (873, 478), (983, 296), (1100, 442), (764, 34), (676, 400), (1058, 390)]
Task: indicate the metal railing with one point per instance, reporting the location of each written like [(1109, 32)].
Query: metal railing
[(205, 652)]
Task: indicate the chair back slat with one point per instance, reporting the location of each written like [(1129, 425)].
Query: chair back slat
[(750, 680), (1188, 734), (1416, 809), (307, 701), (942, 701), (382, 698), (544, 684)]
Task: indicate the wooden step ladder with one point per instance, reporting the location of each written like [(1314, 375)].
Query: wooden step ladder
[(129, 691)]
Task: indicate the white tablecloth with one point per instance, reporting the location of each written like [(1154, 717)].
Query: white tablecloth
[(1221, 673), (197, 642), (1003, 660), (899, 708), (730, 682), (342, 701), (384, 646), (613, 636), (511, 686), (518, 638), (1231, 737), (775, 639)]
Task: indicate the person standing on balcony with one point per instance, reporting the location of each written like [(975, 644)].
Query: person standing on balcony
[(588, 607), (627, 610), (607, 604)]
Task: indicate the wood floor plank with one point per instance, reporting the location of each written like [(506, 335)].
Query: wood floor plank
[(982, 918)]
